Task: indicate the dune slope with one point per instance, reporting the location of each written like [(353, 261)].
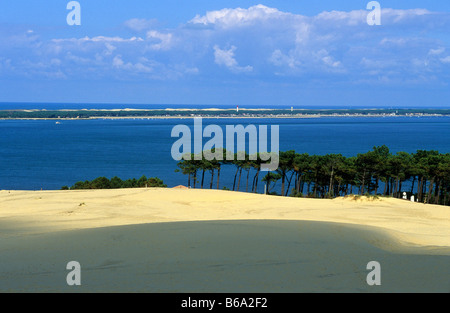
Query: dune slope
[(167, 240)]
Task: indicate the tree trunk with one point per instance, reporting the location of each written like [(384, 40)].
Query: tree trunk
[(212, 179), (420, 189), (397, 185), (218, 177), (257, 179), (253, 183), (412, 187), (363, 183), (298, 182), (203, 178), (235, 175), (430, 190), (248, 173), (438, 192), (424, 187), (239, 181), (394, 187), (331, 181), (289, 184)]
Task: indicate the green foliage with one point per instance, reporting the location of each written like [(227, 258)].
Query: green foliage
[(155, 182), (117, 183), (426, 173), (296, 194), (83, 114)]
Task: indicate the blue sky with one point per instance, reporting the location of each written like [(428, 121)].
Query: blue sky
[(291, 53)]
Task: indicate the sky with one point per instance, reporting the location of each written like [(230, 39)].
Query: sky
[(281, 53)]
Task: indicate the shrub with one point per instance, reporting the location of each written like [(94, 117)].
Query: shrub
[(117, 183)]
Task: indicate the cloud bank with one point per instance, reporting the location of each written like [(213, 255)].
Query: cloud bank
[(259, 42)]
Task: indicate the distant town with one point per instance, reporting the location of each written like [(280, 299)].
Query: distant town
[(217, 113)]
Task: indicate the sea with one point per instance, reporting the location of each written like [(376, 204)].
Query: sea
[(46, 155)]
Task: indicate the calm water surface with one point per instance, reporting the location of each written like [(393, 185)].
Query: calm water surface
[(43, 154)]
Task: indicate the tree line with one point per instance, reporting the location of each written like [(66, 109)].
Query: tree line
[(85, 114), (117, 183), (424, 174)]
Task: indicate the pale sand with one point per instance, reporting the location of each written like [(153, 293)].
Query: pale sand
[(178, 240)]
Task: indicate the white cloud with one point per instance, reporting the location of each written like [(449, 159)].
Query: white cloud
[(340, 18), (397, 16), (165, 40), (394, 41), (109, 49), (328, 60), (226, 58), (77, 59), (436, 51), (279, 59), (5, 64), (98, 39), (376, 64), (117, 61), (140, 24), (228, 18), (277, 43), (136, 68)]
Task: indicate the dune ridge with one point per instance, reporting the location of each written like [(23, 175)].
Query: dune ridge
[(42, 211), (185, 240)]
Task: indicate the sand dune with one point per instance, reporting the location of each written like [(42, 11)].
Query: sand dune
[(178, 240)]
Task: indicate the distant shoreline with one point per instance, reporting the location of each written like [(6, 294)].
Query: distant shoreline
[(213, 113), (207, 117)]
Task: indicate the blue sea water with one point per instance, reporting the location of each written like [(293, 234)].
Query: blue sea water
[(40, 154)]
